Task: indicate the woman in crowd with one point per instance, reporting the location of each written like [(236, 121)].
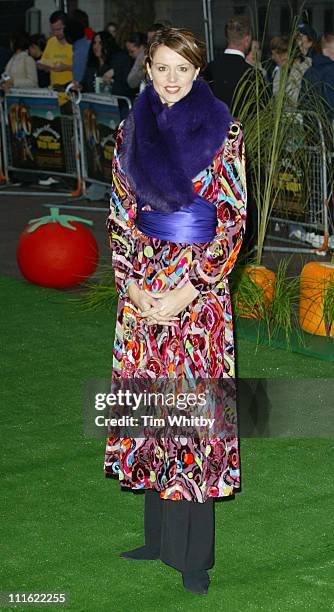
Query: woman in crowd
[(176, 223), (21, 68), (107, 65), (98, 62), (111, 28), (37, 44), (307, 40), (296, 64), (136, 45)]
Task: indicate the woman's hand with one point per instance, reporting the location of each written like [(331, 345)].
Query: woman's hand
[(171, 303), (7, 85), (108, 76), (145, 302)]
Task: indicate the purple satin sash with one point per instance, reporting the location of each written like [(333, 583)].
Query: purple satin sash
[(196, 222)]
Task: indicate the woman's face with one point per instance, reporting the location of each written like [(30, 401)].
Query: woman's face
[(97, 46), (304, 43), (35, 51), (112, 30), (172, 75), (132, 49)]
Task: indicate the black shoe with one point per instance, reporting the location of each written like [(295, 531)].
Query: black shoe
[(143, 552), (196, 582)]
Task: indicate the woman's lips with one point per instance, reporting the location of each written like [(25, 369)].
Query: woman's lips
[(172, 90)]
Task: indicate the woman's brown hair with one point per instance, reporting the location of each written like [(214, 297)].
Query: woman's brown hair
[(182, 42)]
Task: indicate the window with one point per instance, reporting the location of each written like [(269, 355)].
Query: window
[(261, 17), (285, 20), (239, 10), (328, 20), (307, 16)]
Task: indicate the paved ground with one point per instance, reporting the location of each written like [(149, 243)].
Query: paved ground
[(16, 211)]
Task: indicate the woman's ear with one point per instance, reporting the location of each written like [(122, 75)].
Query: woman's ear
[(148, 70)]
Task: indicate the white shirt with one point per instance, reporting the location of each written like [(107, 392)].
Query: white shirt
[(234, 52)]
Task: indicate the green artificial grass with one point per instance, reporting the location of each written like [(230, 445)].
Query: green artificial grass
[(63, 524)]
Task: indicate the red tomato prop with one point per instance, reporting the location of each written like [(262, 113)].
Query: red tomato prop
[(57, 250)]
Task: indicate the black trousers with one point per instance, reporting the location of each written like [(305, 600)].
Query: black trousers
[(183, 531)]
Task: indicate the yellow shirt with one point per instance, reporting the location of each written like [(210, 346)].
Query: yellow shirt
[(56, 52)]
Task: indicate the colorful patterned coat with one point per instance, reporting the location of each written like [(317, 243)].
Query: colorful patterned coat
[(202, 343)]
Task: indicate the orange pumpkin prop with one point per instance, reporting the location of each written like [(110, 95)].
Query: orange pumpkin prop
[(264, 278), (314, 281)]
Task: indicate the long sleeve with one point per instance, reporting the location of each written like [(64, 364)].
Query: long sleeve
[(211, 265), (22, 69), (30, 78), (80, 54), (120, 222)]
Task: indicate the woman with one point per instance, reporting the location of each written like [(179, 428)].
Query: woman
[(178, 171), (108, 66), (98, 62), (282, 55), (37, 44), (307, 40), (136, 45), (21, 68), (111, 28)]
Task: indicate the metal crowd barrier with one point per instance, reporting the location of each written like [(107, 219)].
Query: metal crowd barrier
[(74, 140), (99, 118), (300, 217), (40, 137)]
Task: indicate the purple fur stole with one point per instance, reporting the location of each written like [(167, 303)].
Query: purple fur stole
[(164, 147)]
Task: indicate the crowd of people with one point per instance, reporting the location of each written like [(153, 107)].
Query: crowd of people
[(111, 61), (308, 57), (108, 61)]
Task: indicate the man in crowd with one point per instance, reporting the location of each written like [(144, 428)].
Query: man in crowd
[(228, 71), (82, 17), (230, 75), (75, 35), (58, 55)]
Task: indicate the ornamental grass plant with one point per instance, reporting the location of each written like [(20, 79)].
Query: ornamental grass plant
[(274, 139), (328, 309)]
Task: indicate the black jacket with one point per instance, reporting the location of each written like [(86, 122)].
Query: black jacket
[(227, 73), (318, 86), (121, 63)]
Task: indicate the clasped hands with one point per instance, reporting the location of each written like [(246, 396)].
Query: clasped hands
[(161, 308)]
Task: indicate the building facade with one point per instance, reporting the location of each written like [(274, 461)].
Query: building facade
[(182, 13)]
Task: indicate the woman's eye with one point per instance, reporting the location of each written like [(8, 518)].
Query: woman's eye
[(183, 69), (162, 68)]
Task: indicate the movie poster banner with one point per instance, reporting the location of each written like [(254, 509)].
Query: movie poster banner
[(100, 119), (35, 133)]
